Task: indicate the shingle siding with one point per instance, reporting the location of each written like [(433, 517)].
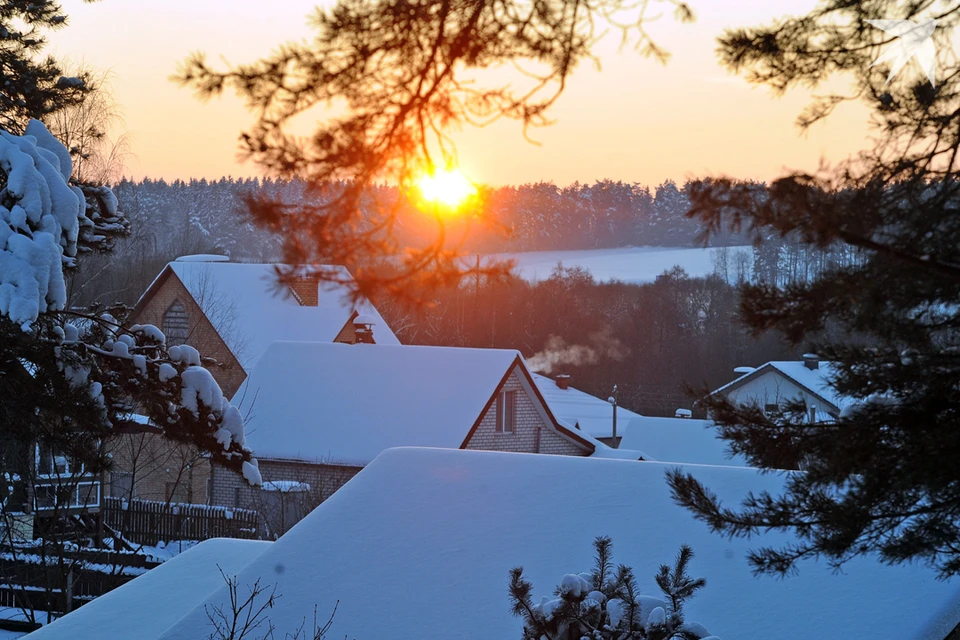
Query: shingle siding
[(524, 439)]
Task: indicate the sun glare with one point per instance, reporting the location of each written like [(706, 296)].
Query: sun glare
[(448, 187)]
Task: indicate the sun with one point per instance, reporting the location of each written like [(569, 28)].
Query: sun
[(449, 187)]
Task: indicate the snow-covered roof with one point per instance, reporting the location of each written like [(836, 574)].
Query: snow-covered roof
[(423, 540), (678, 440), (153, 602), (347, 403), (592, 414), (816, 381), (249, 311)]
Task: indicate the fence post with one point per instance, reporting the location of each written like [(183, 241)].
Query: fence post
[(68, 592)]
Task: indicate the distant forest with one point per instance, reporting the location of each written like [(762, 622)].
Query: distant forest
[(651, 340), (171, 219)]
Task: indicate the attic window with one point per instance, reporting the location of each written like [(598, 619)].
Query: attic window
[(176, 324), (506, 411)]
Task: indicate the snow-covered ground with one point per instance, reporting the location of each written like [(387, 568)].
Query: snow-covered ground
[(160, 597), (635, 265), (420, 543)]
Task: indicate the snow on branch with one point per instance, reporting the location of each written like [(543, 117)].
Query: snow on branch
[(44, 222), (107, 371)]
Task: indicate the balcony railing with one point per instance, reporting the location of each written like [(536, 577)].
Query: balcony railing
[(67, 494)]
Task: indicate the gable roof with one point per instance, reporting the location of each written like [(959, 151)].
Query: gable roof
[(244, 304), (426, 539), (814, 381), (592, 414), (678, 440), (347, 403), (156, 600)]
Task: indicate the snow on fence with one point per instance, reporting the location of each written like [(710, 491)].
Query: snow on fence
[(29, 581), (150, 522)]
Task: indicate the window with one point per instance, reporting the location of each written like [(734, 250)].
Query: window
[(53, 463), (121, 484), (506, 409), (770, 408), (176, 324), (57, 495), (176, 492)]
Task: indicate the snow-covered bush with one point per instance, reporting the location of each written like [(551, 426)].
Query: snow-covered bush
[(606, 604)]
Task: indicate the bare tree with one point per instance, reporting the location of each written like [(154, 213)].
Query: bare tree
[(85, 128), (245, 615)]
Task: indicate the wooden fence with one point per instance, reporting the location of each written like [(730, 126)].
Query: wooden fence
[(25, 582), (149, 522)]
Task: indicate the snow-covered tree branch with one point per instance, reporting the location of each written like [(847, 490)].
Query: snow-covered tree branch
[(74, 378)]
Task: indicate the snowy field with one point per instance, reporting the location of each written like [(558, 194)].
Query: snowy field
[(635, 265)]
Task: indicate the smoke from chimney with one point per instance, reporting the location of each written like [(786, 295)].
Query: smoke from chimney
[(558, 353)]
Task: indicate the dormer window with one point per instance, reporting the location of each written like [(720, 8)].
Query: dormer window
[(176, 324), (506, 409)]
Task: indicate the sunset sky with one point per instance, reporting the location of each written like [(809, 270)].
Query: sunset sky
[(634, 120)]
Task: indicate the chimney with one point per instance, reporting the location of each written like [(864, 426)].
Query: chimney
[(563, 381), (306, 290), (811, 361), (363, 329)]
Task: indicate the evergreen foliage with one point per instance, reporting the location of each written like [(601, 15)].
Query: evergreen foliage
[(606, 603), (401, 71), (71, 378), (877, 479), (31, 86)]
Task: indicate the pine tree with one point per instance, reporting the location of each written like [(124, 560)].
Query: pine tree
[(70, 379), (606, 604), (31, 86), (878, 479)]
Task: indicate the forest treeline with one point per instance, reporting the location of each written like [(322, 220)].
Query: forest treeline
[(170, 219), (650, 340)]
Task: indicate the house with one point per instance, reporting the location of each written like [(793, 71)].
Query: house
[(774, 383), (590, 413), (40, 486), (678, 440), (231, 312), (316, 413), (159, 598), (424, 539)]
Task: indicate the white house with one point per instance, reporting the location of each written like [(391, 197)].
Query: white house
[(774, 383), (420, 543)]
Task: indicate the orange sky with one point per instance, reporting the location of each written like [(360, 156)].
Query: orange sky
[(634, 120)]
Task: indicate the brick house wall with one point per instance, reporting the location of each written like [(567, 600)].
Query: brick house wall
[(229, 489), (150, 467), (348, 334), (529, 420), (202, 335)]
